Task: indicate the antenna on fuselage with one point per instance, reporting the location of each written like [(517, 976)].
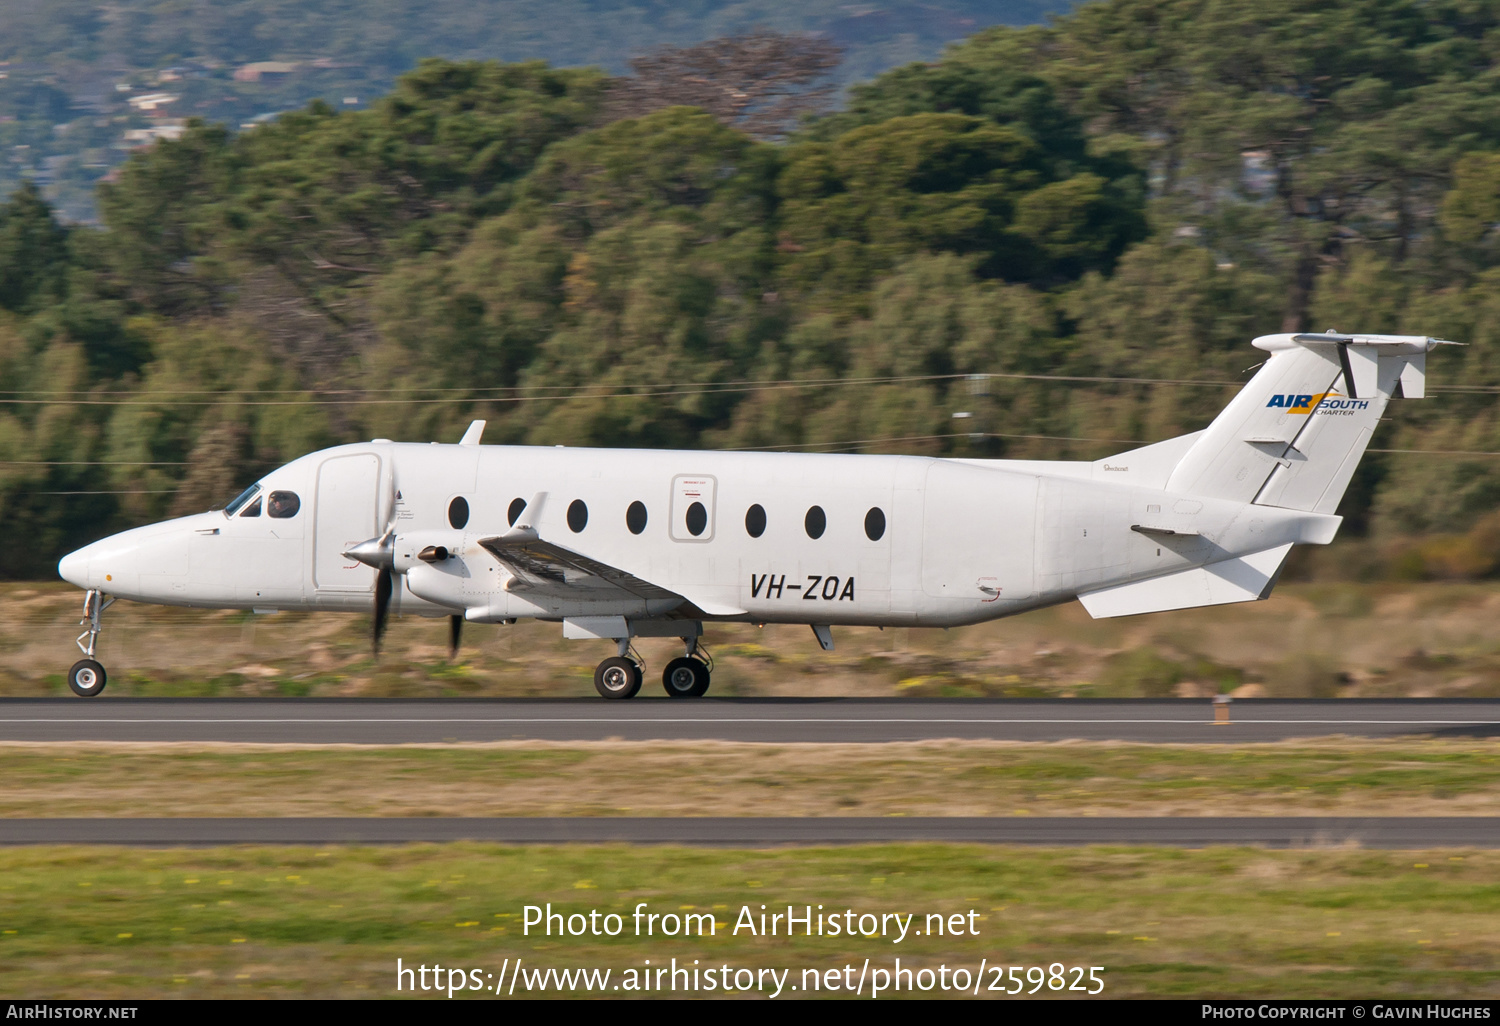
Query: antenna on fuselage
[(474, 434)]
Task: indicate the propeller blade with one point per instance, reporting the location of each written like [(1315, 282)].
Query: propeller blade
[(455, 628), (382, 607)]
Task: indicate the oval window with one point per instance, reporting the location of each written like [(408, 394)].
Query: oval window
[(635, 517), (517, 506), (697, 519), (816, 522), (755, 521), (283, 505), (578, 516), (458, 513), (875, 523)]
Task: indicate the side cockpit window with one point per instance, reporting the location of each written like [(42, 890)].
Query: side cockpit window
[(283, 505), (252, 510), (242, 498)]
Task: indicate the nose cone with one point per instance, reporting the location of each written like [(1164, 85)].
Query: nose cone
[(116, 563), (74, 567)]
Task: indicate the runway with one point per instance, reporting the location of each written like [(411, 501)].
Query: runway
[(1189, 832), (395, 721)]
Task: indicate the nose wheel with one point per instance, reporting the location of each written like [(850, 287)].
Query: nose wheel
[(87, 677)]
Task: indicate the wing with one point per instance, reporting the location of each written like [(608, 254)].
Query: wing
[(541, 564)]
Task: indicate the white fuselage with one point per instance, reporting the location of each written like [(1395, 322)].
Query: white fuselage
[(960, 541)]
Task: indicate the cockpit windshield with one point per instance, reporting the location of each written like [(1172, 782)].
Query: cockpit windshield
[(241, 499)]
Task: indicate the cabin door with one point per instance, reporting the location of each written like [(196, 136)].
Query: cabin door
[(345, 511)]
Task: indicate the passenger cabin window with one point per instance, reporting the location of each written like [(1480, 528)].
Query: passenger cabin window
[(458, 513), (517, 506), (240, 499), (635, 517), (252, 510), (816, 522), (875, 523), (578, 516), (697, 519), (755, 520), (283, 505)]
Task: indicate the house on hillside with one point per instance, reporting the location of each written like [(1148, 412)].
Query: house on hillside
[(152, 103), (260, 70), (170, 129)]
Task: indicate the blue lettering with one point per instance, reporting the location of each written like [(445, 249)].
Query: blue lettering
[(1277, 400)]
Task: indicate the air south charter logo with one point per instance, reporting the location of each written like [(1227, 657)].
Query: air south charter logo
[(1322, 402)]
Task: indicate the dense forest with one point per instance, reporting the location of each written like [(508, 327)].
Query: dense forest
[(1052, 242)]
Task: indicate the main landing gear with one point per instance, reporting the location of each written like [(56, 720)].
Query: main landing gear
[(87, 677), (685, 677), (618, 677)]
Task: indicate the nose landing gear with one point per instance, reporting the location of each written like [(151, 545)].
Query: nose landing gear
[(87, 677)]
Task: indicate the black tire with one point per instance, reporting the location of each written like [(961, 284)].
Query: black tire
[(87, 678), (685, 678), (617, 677)]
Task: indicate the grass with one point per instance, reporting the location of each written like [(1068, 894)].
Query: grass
[(269, 921), (947, 778), (1320, 640)]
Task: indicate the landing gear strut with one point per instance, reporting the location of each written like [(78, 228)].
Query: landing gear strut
[(619, 676), (688, 676), (87, 677)]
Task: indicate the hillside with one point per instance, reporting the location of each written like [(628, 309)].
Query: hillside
[(82, 82)]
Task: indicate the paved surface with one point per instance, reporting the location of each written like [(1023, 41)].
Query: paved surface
[(1275, 832), (378, 721)]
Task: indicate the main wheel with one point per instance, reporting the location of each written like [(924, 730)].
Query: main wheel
[(685, 678), (86, 678), (617, 677)]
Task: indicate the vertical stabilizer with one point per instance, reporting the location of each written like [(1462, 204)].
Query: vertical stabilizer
[(1295, 433)]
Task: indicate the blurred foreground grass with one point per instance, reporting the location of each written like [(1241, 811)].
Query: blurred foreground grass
[(674, 778), (267, 921), (1307, 640)]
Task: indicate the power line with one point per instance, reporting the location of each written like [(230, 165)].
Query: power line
[(927, 438), (1440, 452), (558, 392), (93, 463), (859, 443), (519, 394)]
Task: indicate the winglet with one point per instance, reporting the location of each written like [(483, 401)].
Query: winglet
[(474, 434)]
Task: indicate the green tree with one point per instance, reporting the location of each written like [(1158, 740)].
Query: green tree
[(33, 253), (855, 206)]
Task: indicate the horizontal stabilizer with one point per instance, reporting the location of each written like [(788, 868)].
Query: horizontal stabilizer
[(1245, 579)]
